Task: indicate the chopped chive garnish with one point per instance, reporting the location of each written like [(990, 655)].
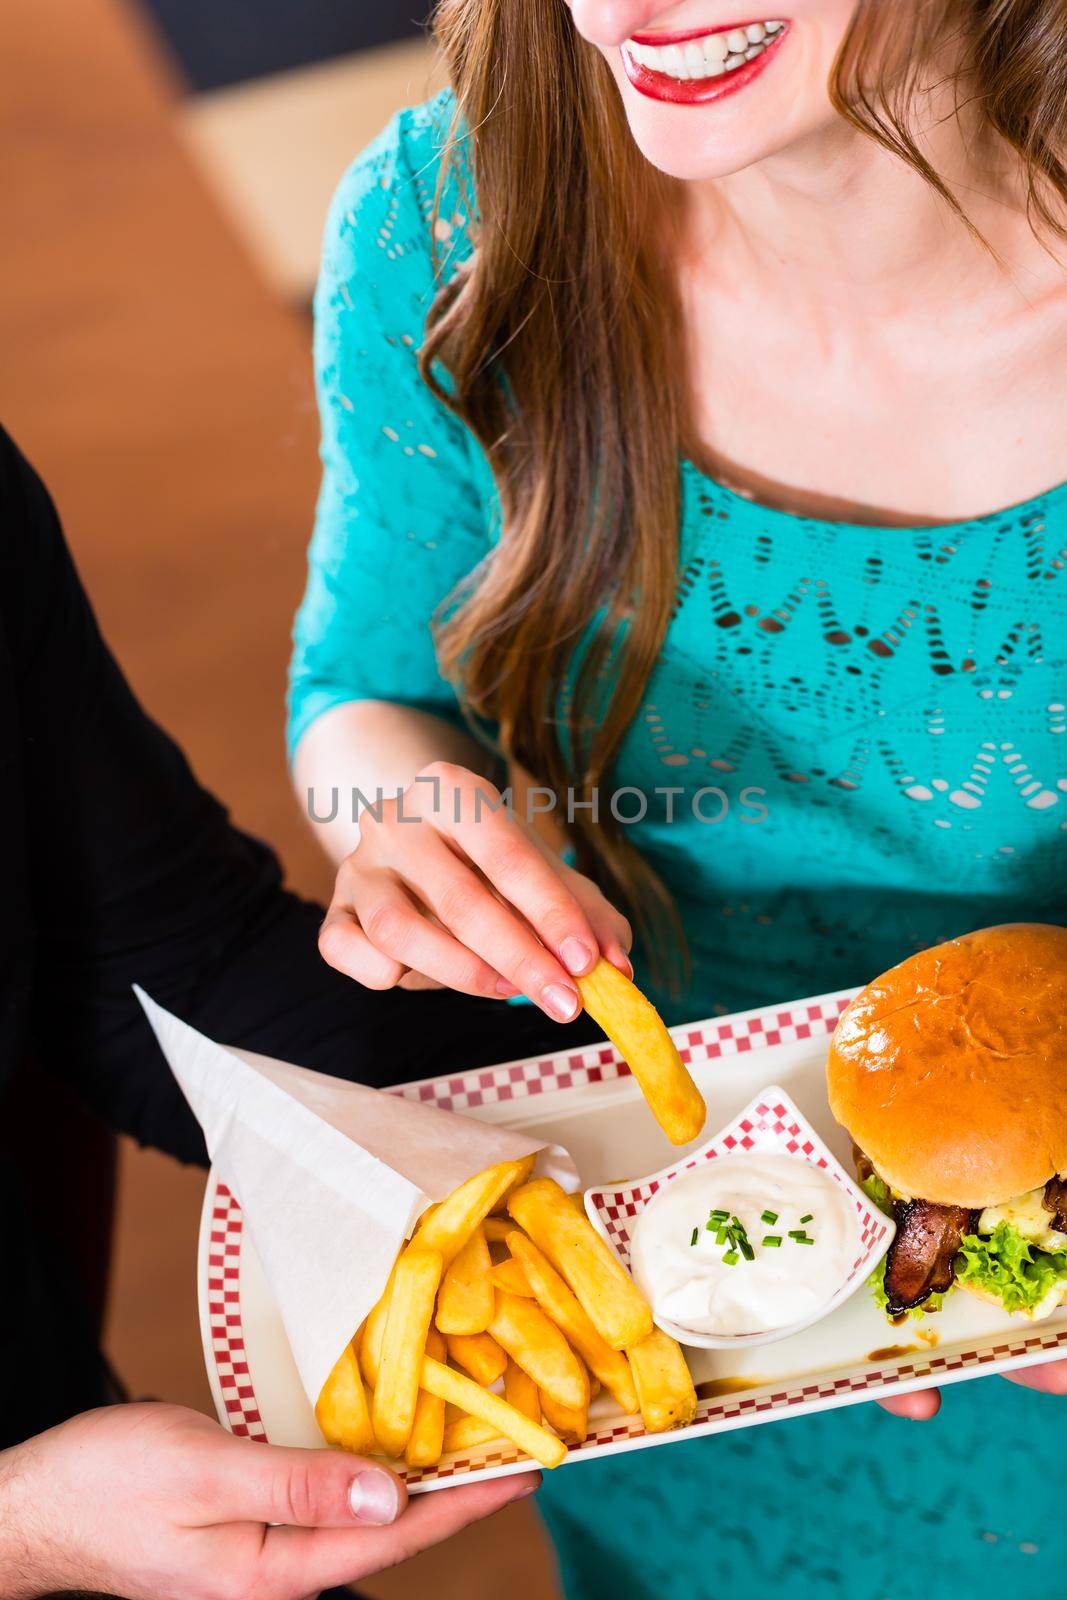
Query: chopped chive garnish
[(773, 1240), (769, 1217), (709, 1226), (718, 1216), (809, 1217), (721, 1235), (693, 1240), (798, 1234), (805, 1240), (746, 1250), (730, 1259)]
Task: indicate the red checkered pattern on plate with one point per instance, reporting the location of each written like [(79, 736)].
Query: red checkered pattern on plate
[(224, 1311)]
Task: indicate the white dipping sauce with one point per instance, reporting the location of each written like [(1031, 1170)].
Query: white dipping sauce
[(695, 1287)]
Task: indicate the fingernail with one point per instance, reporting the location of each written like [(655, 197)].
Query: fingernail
[(559, 1001), (528, 1488), (575, 955), (374, 1498), (624, 964), (503, 987)]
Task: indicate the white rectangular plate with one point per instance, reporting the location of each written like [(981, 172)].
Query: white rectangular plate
[(587, 1101)]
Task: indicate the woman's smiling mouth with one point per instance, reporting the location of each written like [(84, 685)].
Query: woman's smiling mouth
[(701, 65)]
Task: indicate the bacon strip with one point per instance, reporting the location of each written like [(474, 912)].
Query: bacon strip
[(1056, 1202), (921, 1259)]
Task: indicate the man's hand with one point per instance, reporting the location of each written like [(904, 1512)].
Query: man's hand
[(154, 1502)]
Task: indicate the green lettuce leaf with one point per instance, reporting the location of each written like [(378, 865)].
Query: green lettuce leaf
[(1010, 1267), (876, 1189)]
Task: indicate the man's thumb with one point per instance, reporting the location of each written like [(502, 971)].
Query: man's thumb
[(303, 1488)]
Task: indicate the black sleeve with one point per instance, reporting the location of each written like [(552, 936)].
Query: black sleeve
[(137, 875)]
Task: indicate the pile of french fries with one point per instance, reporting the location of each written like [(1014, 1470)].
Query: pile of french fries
[(502, 1318)]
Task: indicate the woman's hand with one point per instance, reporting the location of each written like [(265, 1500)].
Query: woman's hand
[(1048, 1378), (158, 1503), (445, 888)]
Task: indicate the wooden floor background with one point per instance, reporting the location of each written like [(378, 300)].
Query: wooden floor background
[(162, 388)]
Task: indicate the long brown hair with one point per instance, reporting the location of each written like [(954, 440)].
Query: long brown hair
[(561, 340)]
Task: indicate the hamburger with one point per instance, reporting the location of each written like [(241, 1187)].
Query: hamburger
[(950, 1074)]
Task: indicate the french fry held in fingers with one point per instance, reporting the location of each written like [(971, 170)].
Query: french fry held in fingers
[(467, 1432), (509, 1276), (451, 1224), (427, 1440), (521, 1392), (534, 1343), (570, 1422), (554, 1297), (479, 1354), (341, 1410), (465, 1298), (639, 1034), (415, 1281), (664, 1386), (478, 1402), (608, 1294)]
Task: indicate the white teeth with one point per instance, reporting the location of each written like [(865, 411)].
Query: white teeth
[(710, 56), (694, 60)]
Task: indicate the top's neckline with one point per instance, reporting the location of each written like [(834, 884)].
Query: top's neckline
[(933, 530)]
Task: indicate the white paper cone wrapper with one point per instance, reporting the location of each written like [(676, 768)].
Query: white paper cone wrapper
[(331, 1176)]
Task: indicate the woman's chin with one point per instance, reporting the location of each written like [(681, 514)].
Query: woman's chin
[(683, 143)]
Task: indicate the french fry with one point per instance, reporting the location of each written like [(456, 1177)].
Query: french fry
[(497, 1229), (426, 1443), (609, 1296), (479, 1354), (468, 1432), (509, 1276), (638, 1033), (478, 1402), (663, 1382), (571, 1423), (594, 1387), (465, 1298), (527, 1165), (341, 1410), (552, 1294), (521, 1392), (533, 1341), (451, 1224), (370, 1345), (415, 1280)]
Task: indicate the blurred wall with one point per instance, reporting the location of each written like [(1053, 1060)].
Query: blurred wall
[(218, 42)]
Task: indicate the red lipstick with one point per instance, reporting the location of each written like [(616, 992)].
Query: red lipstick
[(694, 91)]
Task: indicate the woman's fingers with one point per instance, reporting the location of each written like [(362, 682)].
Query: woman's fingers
[(919, 1406), (398, 927), (476, 915), (500, 847), (1050, 1378)]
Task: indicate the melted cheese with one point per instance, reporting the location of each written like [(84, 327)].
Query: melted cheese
[(1027, 1215)]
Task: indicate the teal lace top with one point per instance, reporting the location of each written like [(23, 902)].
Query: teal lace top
[(854, 744)]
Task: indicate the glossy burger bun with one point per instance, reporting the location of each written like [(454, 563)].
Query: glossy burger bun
[(950, 1070)]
